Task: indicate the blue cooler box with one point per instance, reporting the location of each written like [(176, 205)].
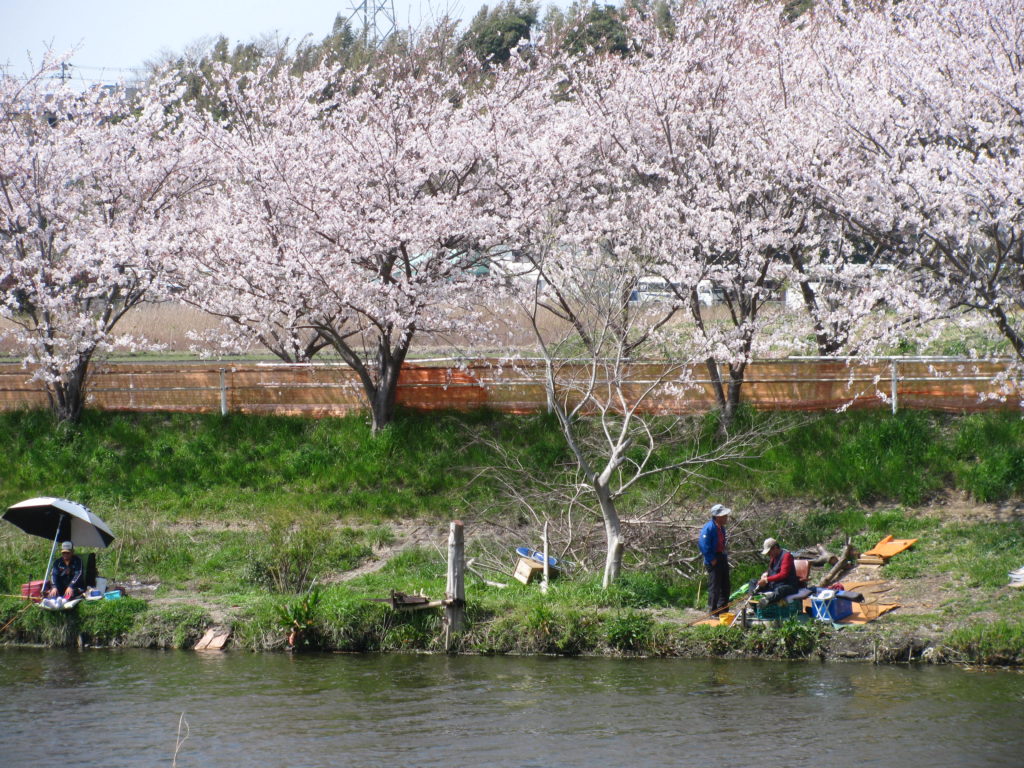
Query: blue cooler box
[(830, 608)]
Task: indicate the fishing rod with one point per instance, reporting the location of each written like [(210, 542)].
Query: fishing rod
[(744, 596), (14, 618)]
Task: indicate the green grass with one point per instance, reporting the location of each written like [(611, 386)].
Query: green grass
[(249, 512), (189, 466), (209, 467), (999, 642)]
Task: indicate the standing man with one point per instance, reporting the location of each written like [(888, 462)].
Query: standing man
[(780, 580), (67, 578), (713, 545)]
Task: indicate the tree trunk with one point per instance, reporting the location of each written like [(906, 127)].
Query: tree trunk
[(382, 405), (716, 382), (829, 339), (732, 403), (385, 394), (613, 535), (728, 396), (380, 385), (67, 396), (1006, 328)]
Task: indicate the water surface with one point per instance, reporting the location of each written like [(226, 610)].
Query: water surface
[(122, 709)]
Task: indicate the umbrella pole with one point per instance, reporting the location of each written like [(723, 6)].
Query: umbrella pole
[(53, 548)]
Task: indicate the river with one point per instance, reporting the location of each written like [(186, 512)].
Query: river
[(122, 709)]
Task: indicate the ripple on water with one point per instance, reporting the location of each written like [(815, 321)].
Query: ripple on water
[(331, 710)]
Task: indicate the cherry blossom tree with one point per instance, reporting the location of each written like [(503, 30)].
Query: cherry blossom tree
[(696, 117), (921, 106), (597, 207), (252, 145), (352, 208), (88, 185)]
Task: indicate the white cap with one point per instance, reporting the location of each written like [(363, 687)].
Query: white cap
[(720, 510), (768, 544)]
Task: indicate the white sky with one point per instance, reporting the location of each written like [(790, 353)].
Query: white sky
[(111, 36)]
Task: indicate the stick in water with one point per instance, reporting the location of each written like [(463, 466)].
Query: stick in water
[(181, 739)]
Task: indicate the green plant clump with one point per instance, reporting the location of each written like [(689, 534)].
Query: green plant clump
[(996, 643)]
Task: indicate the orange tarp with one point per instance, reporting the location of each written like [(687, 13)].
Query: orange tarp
[(889, 546), (864, 612)]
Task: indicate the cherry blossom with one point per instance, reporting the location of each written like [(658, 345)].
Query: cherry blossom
[(351, 207), (88, 189)]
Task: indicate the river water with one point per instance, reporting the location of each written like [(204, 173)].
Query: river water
[(123, 708)]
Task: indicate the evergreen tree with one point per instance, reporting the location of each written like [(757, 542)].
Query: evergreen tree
[(494, 32)]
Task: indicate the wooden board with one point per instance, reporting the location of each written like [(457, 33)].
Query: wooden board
[(870, 560), (889, 546), (860, 586), (213, 640), (205, 640)]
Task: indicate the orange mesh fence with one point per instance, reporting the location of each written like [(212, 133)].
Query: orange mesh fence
[(332, 389)]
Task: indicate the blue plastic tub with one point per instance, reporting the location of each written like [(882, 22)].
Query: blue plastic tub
[(830, 608)]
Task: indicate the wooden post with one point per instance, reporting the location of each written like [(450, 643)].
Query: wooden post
[(455, 592), (223, 393), (547, 567), (894, 374)]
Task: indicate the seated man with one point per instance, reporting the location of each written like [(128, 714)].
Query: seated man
[(780, 580), (67, 577)]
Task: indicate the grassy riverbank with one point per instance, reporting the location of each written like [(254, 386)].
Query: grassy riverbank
[(228, 521)]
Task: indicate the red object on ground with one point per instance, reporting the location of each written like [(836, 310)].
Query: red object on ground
[(33, 590)]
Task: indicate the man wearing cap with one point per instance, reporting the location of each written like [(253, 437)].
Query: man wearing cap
[(780, 580), (713, 543), (67, 578)]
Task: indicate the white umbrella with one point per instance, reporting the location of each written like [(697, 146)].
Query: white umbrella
[(60, 520)]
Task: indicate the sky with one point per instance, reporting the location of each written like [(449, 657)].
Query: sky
[(113, 37)]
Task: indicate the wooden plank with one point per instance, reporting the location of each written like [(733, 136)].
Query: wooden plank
[(213, 640), (205, 641), (871, 560), (422, 606), (402, 600), (218, 642)]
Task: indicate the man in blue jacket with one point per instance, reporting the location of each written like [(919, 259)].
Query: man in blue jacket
[(714, 545), (67, 578)]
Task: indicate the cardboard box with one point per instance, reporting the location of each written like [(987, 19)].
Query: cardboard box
[(528, 569)]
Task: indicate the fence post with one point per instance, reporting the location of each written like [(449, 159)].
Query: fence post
[(549, 386), (455, 592), (895, 378), (547, 569), (223, 393)]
